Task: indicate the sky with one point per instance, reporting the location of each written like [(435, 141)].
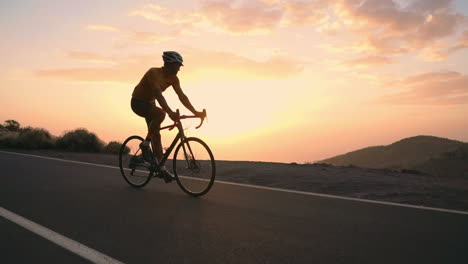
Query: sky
[(284, 81)]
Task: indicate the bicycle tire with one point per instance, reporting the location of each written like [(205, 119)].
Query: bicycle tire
[(206, 161), (132, 143)]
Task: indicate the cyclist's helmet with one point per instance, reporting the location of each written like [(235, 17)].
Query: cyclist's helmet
[(171, 57)]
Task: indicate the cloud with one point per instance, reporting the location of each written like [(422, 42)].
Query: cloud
[(103, 28), (433, 88), (440, 51), (462, 43), (305, 13), (389, 28), (237, 66), (384, 26), (430, 5), (246, 18), (234, 17), (165, 15), (142, 37), (150, 37), (124, 70), (437, 26), (199, 64), (239, 17), (370, 61), (90, 74), (91, 57), (429, 77)]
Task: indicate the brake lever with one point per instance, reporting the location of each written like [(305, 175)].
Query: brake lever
[(202, 119)]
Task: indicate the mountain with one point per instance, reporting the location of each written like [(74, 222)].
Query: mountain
[(434, 155), (453, 163)]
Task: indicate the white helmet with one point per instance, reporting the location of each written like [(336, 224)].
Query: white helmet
[(172, 56)]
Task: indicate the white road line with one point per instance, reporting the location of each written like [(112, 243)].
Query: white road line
[(67, 243), (348, 198), (276, 189), (57, 159)]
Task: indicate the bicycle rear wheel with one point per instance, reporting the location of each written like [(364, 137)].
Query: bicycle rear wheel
[(194, 166), (134, 169)]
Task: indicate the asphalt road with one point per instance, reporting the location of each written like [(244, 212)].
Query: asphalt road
[(232, 224)]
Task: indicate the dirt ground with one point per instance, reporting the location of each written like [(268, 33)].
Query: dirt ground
[(373, 184)]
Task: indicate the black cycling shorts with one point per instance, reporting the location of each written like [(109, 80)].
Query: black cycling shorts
[(143, 109)]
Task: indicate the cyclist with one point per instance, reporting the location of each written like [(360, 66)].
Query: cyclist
[(150, 88)]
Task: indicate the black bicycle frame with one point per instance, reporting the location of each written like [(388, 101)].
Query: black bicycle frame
[(179, 136)]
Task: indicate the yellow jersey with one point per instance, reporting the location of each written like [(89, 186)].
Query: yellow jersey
[(154, 78)]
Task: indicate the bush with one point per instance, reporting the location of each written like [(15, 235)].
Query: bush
[(34, 138), (8, 139), (80, 140), (114, 148), (12, 125)]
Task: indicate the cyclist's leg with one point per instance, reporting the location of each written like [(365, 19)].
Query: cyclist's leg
[(154, 120)]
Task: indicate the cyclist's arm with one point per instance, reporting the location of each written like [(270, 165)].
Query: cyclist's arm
[(183, 98), (161, 100)]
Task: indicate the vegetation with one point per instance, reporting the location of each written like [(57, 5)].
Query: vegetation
[(8, 138), (12, 125), (12, 135), (114, 147), (80, 140), (34, 138)]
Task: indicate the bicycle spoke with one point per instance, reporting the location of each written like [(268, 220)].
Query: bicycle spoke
[(194, 167)]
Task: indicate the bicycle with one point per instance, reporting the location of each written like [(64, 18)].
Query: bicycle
[(193, 163)]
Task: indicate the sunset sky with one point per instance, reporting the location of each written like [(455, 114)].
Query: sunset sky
[(281, 80)]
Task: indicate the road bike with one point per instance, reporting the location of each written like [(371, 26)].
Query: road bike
[(193, 163)]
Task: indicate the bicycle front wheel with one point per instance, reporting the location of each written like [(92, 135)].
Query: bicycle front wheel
[(194, 166), (134, 169)]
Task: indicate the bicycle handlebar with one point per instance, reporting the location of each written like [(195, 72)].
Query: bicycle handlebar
[(186, 117)]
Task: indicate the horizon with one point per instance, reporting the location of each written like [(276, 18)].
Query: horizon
[(267, 161), (282, 81)]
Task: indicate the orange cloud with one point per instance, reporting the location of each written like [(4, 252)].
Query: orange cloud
[(124, 69), (246, 18), (103, 28), (433, 88), (233, 17), (462, 43), (386, 26), (137, 36), (430, 77), (273, 68), (392, 29), (165, 15), (370, 61), (308, 13), (90, 75), (150, 37), (203, 63), (88, 56), (430, 5), (439, 52)]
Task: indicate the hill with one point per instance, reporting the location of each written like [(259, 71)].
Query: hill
[(453, 163), (434, 155)]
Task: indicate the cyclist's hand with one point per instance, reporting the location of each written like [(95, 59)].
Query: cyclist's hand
[(174, 116), (200, 114)]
